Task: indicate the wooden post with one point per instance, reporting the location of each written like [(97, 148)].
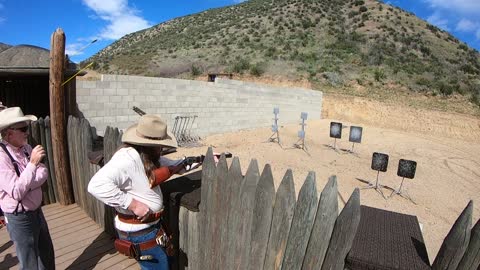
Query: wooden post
[(58, 119)]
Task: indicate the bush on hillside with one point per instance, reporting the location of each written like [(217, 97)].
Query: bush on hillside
[(257, 69), (195, 71), (241, 65)]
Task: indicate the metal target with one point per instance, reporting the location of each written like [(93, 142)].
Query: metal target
[(336, 130), (301, 134), (407, 168), (355, 134), (379, 162)]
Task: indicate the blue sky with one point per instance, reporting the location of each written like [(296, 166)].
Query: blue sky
[(33, 22)]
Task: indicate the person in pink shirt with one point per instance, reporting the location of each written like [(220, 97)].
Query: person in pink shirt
[(21, 177)]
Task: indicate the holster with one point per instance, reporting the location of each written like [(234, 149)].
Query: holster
[(126, 248)]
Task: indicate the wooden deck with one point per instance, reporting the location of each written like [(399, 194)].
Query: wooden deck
[(78, 241)]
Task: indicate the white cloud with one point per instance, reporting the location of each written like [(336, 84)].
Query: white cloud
[(438, 20), (458, 6), (121, 18), (465, 25)]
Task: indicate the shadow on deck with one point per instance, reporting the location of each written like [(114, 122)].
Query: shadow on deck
[(78, 241)]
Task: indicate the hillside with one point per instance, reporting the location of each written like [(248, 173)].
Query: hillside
[(337, 45)]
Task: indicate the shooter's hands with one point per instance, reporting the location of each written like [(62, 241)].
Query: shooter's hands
[(37, 155)]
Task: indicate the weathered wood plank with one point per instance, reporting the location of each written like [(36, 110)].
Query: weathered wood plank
[(471, 258), (41, 133), (262, 218), (343, 234), (281, 221), (235, 179), (43, 138), (244, 219), (87, 143), (183, 235), (72, 142), (220, 216), (302, 224), (51, 167), (193, 241), (208, 177), (327, 213), (456, 242), (36, 140)]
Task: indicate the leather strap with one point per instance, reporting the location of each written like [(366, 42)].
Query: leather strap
[(132, 219)]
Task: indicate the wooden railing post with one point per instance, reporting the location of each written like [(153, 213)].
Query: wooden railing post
[(58, 120)]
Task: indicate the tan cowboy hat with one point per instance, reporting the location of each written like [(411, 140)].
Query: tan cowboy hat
[(151, 130), (13, 115)]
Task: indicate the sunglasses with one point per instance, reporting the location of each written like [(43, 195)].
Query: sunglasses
[(22, 129)]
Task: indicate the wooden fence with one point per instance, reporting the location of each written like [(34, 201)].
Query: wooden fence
[(40, 135), (80, 143), (244, 224)]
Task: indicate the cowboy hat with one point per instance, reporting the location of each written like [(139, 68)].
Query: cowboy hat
[(151, 130), (13, 115)]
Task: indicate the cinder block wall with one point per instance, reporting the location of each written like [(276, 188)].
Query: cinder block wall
[(222, 106)]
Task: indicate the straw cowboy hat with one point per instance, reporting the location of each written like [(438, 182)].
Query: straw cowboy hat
[(13, 115), (151, 130)]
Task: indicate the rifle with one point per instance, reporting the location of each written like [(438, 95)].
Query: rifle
[(165, 172), (138, 110)]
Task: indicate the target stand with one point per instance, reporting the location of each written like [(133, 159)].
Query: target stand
[(301, 133), (275, 136), (379, 164), (406, 169), (355, 136), (336, 133)]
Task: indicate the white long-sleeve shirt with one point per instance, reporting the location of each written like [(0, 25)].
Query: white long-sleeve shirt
[(122, 179)]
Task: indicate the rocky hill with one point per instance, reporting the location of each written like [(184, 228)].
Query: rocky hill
[(335, 44)]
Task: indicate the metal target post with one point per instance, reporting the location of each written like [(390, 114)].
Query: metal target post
[(301, 133), (406, 169), (275, 136)]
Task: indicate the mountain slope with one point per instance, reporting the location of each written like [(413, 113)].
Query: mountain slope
[(331, 42)]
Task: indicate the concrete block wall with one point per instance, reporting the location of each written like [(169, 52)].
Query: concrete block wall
[(222, 106)]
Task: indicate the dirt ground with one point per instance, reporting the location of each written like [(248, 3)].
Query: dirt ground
[(445, 147)]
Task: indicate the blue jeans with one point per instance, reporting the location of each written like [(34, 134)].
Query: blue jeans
[(159, 261), (29, 231)]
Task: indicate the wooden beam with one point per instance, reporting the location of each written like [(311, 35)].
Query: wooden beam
[(58, 119)]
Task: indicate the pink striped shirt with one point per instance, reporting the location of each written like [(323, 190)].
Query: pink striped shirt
[(27, 187)]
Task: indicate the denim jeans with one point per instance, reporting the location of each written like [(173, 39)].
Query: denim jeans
[(29, 231), (159, 261)]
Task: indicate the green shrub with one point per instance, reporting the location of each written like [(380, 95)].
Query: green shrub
[(363, 9), (194, 70), (241, 65), (257, 69), (379, 74)]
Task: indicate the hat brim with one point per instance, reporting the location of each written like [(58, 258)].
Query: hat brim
[(130, 136), (25, 118)]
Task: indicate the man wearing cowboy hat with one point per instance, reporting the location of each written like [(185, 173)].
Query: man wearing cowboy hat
[(130, 183), (21, 178)]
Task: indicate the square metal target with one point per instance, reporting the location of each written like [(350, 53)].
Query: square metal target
[(355, 134), (336, 130), (379, 162), (407, 168)]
